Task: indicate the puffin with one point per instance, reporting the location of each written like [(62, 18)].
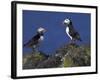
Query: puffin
[(71, 31), (36, 39)]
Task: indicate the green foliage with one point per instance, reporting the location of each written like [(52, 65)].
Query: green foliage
[(67, 62), (31, 60), (76, 56), (70, 55)]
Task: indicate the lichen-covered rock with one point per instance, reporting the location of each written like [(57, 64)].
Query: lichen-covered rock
[(69, 55), (51, 62), (30, 61), (75, 55)]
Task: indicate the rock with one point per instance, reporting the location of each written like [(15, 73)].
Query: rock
[(30, 61), (75, 56), (69, 55), (51, 62)]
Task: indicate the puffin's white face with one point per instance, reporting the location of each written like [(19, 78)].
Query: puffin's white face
[(41, 30), (66, 21)]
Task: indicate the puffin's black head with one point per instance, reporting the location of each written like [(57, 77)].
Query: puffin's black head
[(41, 30), (67, 22)]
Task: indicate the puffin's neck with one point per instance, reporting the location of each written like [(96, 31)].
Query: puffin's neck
[(41, 34), (70, 26), (67, 26)]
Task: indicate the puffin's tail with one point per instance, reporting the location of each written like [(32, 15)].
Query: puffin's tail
[(80, 39), (25, 45)]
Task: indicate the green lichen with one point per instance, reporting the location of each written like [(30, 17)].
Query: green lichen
[(69, 55), (67, 62)]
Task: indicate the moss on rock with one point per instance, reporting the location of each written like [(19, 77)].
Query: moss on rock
[(69, 55)]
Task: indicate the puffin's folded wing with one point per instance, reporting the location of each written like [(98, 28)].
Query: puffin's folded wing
[(33, 41), (78, 36)]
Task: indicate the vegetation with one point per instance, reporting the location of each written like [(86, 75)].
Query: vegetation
[(70, 55)]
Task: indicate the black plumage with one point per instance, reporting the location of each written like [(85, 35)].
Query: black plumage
[(70, 30), (75, 35), (33, 41)]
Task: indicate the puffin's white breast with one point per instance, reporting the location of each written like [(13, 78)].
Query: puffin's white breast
[(41, 38), (67, 31)]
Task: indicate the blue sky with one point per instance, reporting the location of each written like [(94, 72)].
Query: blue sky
[(55, 36)]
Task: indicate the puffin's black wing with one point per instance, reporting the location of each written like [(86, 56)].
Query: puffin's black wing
[(74, 33), (77, 36), (33, 41)]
